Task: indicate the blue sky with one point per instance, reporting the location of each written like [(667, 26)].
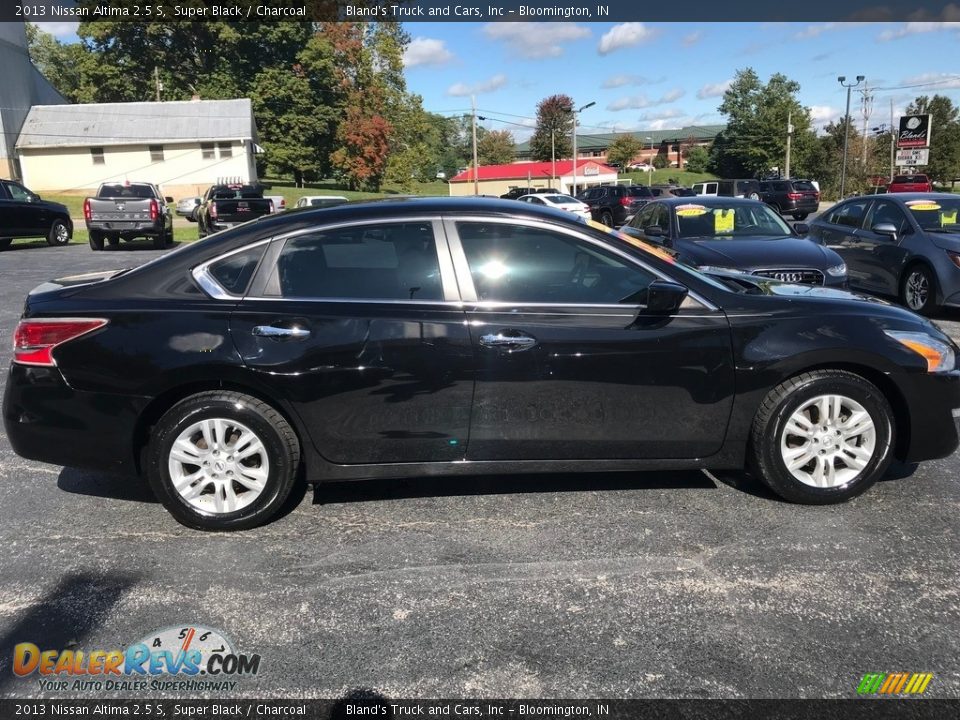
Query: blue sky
[(646, 76), (654, 76)]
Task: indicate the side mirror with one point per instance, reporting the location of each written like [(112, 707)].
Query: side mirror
[(888, 229), (664, 297), (168, 199), (801, 229)]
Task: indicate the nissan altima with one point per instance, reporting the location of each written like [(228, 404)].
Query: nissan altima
[(457, 337)]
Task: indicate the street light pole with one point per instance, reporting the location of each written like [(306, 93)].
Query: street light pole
[(575, 113), (846, 130)]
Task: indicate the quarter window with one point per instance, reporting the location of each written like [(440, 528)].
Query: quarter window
[(233, 273), (520, 263), (368, 262)]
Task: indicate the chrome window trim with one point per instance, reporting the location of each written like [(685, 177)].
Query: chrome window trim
[(201, 273), (465, 278)]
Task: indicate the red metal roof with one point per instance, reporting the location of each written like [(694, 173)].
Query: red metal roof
[(535, 170)]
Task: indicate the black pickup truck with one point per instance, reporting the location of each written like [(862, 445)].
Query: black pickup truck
[(24, 214), (124, 211), (224, 206)]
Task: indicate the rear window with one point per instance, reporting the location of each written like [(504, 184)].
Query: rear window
[(640, 191), (910, 179), (804, 186), (245, 192), (125, 191)]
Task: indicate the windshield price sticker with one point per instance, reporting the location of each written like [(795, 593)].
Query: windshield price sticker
[(691, 210), (922, 205), (723, 221)]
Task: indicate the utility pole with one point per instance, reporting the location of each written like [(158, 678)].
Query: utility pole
[(893, 144), (846, 130), (476, 181), (553, 157), (156, 81), (866, 108), (786, 164), (575, 113)]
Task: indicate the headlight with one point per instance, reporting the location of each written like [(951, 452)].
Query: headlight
[(938, 354), (837, 270)]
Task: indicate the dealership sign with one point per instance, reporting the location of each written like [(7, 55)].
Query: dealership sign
[(916, 156), (914, 131)]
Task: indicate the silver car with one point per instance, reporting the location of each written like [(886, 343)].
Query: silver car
[(187, 207)]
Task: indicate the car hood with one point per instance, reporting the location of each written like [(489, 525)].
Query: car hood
[(745, 253), (945, 241)]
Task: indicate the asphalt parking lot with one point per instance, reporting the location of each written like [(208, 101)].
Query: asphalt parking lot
[(676, 584)]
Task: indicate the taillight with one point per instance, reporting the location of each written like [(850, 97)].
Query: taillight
[(794, 195), (283, 203), (625, 201), (213, 210), (154, 210), (34, 340), (817, 196), (87, 213)]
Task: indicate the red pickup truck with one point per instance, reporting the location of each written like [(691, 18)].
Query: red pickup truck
[(910, 183)]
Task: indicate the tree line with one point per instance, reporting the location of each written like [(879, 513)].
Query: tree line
[(329, 99)]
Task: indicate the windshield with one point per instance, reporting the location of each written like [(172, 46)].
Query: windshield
[(724, 222), (936, 214)]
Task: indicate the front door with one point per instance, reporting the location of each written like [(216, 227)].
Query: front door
[(32, 215), (881, 258), (566, 368), (359, 330), (841, 233)]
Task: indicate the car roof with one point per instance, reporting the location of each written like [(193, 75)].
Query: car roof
[(906, 197), (710, 200)]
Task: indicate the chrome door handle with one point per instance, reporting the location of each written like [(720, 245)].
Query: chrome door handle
[(508, 342), (281, 333)]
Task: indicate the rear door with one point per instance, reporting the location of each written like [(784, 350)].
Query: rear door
[(566, 369), (359, 328)]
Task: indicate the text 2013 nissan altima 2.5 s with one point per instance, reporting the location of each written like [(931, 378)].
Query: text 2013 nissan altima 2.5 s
[(462, 337)]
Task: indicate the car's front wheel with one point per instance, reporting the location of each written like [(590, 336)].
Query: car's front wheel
[(918, 290), (59, 233), (222, 461), (822, 437)]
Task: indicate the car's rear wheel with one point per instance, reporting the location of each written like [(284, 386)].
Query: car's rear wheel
[(822, 437), (606, 218), (160, 241), (59, 233), (222, 461), (800, 216), (918, 290), (96, 240)]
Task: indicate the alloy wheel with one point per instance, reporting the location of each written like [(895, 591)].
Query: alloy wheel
[(916, 290), (828, 441), (218, 465)]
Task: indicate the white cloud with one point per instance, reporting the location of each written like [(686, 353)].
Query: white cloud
[(938, 81), (616, 81), (692, 39), (535, 40), (711, 90), (919, 28), (426, 51), (638, 102), (822, 115), (59, 29), (484, 86), (667, 114), (625, 35)]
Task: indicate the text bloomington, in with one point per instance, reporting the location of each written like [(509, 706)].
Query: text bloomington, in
[(528, 11)]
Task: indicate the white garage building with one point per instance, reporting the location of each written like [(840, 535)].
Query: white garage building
[(182, 146)]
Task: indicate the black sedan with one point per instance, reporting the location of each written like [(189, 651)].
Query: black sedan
[(727, 234), (446, 336), (25, 214), (903, 245)]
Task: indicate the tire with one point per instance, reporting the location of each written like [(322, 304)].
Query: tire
[(753, 196), (606, 218), (918, 290), (813, 483), (278, 459), (5, 243), (800, 216), (160, 241), (96, 240), (59, 233), (113, 240)]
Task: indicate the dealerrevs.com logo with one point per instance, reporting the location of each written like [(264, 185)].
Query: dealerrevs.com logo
[(185, 658)]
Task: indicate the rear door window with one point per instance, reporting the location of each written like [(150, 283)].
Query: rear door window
[(393, 261)]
